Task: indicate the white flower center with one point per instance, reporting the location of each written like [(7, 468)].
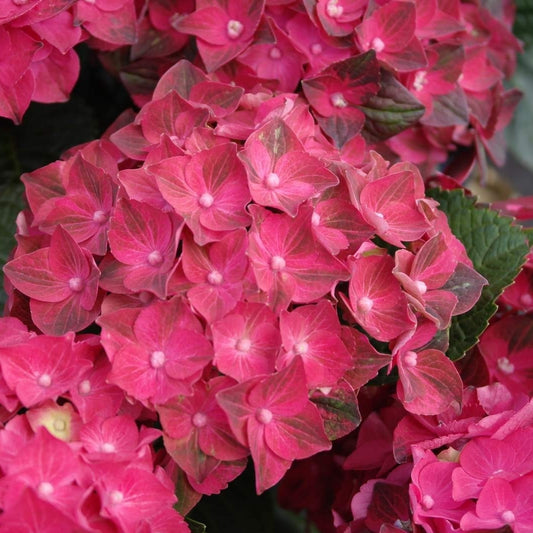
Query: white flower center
[(421, 287), (99, 217), (199, 420), (301, 348), (508, 516), (338, 100), (206, 200), (377, 44), (277, 263), (315, 219), (234, 29), (272, 180), (45, 488), (215, 277), (157, 359), (44, 380), (75, 284), (84, 387), (410, 359), (427, 502), (505, 365), (116, 496), (333, 9), (316, 49), (364, 304), (107, 447), (243, 345), (420, 80), (59, 425), (275, 53), (155, 258), (264, 416)]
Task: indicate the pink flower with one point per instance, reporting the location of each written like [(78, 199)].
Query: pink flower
[(275, 419)]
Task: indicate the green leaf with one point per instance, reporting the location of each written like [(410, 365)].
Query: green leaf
[(391, 111), (497, 248)]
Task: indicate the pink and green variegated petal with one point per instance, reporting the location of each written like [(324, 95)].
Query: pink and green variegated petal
[(439, 307), (31, 275), (159, 116), (466, 284), (117, 329), (221, 98), (117, 27), (209, 24), (283, 393), (90, 180), (55, 76), (187, 352), (213, 302), (432, 264), (269, 467), (58, 318), (277, 138), (219, 479), (67, 259), (14, 101), (145, 277), (131, 142), (181, 77), (367, 361), (234, 403), (429, 382), (187, 453), (215, 56), (132, 372), (229, 256), (298, 436), (138, 230), (410, 58), (218, 440)]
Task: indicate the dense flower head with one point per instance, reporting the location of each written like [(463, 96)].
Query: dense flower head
[(229, 268)]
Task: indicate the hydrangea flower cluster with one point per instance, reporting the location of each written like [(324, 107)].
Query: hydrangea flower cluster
[(230, 267), (37, 38), (449, 56)]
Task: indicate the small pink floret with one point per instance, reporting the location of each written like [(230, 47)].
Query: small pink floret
[(377, 44), (364, 304), (215, 277), (234, 29), (44, 380), (410, 358), (206, 200), (338, 100), (157, 359), (75, 284), (333, 9), (275, 53), (264, 416), (243, 345), (272, 180), (199, 420), (45, 489), (277, 263), (155, 258)]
